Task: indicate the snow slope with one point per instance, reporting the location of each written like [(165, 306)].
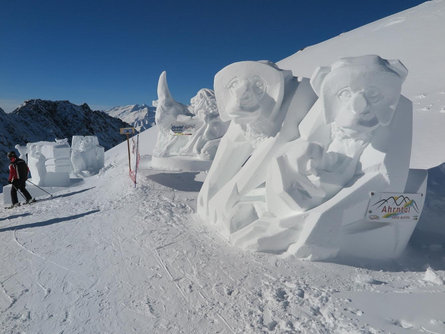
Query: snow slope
[(414, 36), (105, 257)]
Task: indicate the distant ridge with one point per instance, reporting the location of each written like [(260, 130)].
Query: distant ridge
[(140, 116)]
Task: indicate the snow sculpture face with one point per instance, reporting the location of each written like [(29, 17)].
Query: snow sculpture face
[(203, 103), (360, 93), (249, 91)]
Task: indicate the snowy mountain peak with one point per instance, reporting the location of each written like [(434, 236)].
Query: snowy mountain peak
[(140, 116)]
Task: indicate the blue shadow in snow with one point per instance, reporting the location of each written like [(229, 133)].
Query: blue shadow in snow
[(48, 222), (16, 216), (66, 195), (180, 181)]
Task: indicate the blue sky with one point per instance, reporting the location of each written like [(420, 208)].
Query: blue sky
[(109, 53)]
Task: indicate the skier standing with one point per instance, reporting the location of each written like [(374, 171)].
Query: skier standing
[(18, 174)]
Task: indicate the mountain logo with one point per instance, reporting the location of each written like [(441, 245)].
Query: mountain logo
[(390, 206), (396, 205)]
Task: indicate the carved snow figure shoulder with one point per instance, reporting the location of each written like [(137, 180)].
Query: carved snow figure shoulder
[(355, 140), (258, 98)]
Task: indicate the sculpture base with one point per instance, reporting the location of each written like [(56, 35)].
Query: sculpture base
[(180, 163)]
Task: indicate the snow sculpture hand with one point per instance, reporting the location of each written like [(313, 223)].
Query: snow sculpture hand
[(308, 158)]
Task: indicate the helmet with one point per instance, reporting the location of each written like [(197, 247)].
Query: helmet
[(12, 154)]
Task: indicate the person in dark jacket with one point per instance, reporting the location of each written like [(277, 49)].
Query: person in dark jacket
[(18, 174)]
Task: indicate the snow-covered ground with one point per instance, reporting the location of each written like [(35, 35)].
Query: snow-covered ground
[(106, 257)]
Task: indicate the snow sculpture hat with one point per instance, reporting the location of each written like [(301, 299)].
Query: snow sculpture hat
[(361, 73), (248, 89)]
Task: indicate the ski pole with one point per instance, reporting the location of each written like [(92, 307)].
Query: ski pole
[(18, 191), (40, 188)]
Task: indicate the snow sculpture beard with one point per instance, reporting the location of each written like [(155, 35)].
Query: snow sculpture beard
[(250, 94)]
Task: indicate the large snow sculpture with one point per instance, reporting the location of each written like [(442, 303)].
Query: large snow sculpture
[(87, 156), (358, 96), (265, 105), (323, 189), (49, 163), (188, 135)]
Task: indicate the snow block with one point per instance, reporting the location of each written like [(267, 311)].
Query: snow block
[(87, 156), (49, 163)]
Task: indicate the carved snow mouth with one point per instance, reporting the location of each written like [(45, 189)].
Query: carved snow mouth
[(248, 103)]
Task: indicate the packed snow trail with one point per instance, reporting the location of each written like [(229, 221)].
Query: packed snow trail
[(105, 257)]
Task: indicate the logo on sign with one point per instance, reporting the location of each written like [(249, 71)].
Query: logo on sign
[(181, 130), (396, 206), (390, 207)]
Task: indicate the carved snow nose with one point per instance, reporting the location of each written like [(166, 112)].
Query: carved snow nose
[(243, 88), (359, 103)]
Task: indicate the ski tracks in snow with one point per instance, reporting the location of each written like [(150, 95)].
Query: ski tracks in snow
[(146, 264)]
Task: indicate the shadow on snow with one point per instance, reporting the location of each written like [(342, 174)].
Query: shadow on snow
[(180, 181), (65, 195), (48, 222), (16, 216)]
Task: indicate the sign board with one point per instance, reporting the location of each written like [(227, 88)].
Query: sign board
[(127, 131), (394, 207), (181, 130)]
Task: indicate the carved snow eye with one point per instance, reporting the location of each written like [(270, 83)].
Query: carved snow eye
[(233, 83), (373, 95), (258, 85), (344, 94)]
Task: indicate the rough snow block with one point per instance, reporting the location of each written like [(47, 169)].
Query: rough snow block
[(87, 155), (49, 162)]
